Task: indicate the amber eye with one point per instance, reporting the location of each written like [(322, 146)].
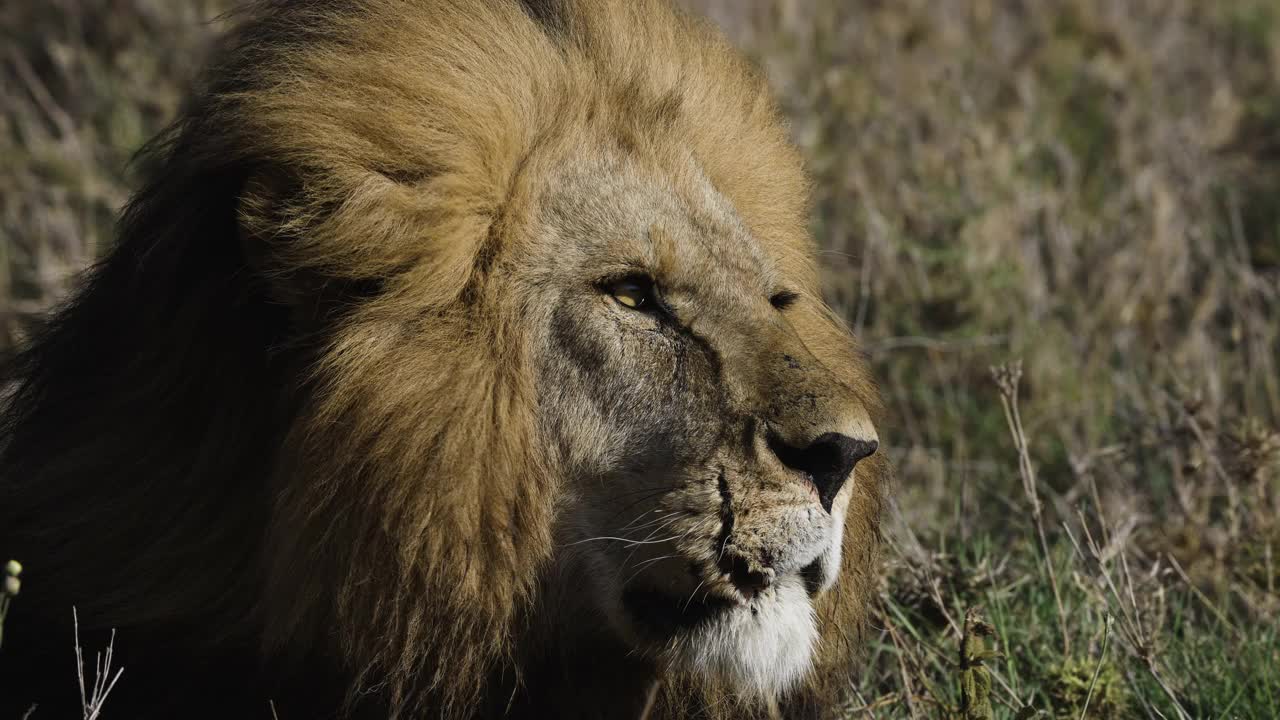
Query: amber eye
[(635, 292)]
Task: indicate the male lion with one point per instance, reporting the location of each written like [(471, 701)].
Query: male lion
[(460, 358)]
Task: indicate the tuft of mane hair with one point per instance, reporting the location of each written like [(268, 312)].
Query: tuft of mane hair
[(299, 290)]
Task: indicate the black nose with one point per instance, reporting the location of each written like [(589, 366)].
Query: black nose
[(827, 461)]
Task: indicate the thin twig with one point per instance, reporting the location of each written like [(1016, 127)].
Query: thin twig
[(914, 342), (1007, 378), (869, 708), (1102, 657), (1125, 605), (1204, 599), (103, 681), (907, 690), (1271, 571), (1211, 454)]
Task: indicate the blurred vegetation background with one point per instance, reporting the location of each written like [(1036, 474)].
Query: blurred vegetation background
[(1089, 186)]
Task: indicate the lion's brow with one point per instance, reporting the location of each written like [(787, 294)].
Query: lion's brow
[(664, 250), (749, 262)]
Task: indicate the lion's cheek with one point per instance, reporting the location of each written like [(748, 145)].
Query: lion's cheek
[(829, 561)]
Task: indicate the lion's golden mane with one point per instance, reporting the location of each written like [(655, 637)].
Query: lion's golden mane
[(299, 290)]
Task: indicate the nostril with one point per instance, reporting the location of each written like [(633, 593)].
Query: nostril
[(749, 582), (828, 460)]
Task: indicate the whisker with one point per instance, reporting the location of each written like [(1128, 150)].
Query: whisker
[(653, 488), (684, 535), (723, 544), (657, 530), (692, 594), (640, 567), (637, 501), (632, 524), (629, 541)]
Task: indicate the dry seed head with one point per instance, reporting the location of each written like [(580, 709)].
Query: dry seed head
[(1255, 448)]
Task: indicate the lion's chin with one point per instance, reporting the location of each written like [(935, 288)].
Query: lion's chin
[(762, 647)]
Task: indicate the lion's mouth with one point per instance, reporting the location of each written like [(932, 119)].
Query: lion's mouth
[(657, 612), (660, 614)]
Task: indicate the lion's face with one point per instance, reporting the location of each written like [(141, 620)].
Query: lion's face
[(709, 453)]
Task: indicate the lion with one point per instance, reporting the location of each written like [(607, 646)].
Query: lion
[(458, 358)]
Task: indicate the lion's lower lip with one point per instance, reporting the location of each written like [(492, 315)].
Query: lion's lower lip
[(663, 614)]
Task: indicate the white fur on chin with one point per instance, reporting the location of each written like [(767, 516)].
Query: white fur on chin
[(764, 653)]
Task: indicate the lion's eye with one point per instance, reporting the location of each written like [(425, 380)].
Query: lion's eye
[(634, 292)]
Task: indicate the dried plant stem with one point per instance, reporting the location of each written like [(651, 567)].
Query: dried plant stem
[(103, 681), (1102, 657), (867, 707), (4, 611), (1007, 378), (1126, 607), (1204, 599), (1228, 481), (1271, 572), (908, 689)]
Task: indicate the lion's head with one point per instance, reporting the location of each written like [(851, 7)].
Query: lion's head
[(518, 373), (700, 409)]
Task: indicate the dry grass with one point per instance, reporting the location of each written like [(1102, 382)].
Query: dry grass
[(83, 84), (102, 682), (1086, 185)]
